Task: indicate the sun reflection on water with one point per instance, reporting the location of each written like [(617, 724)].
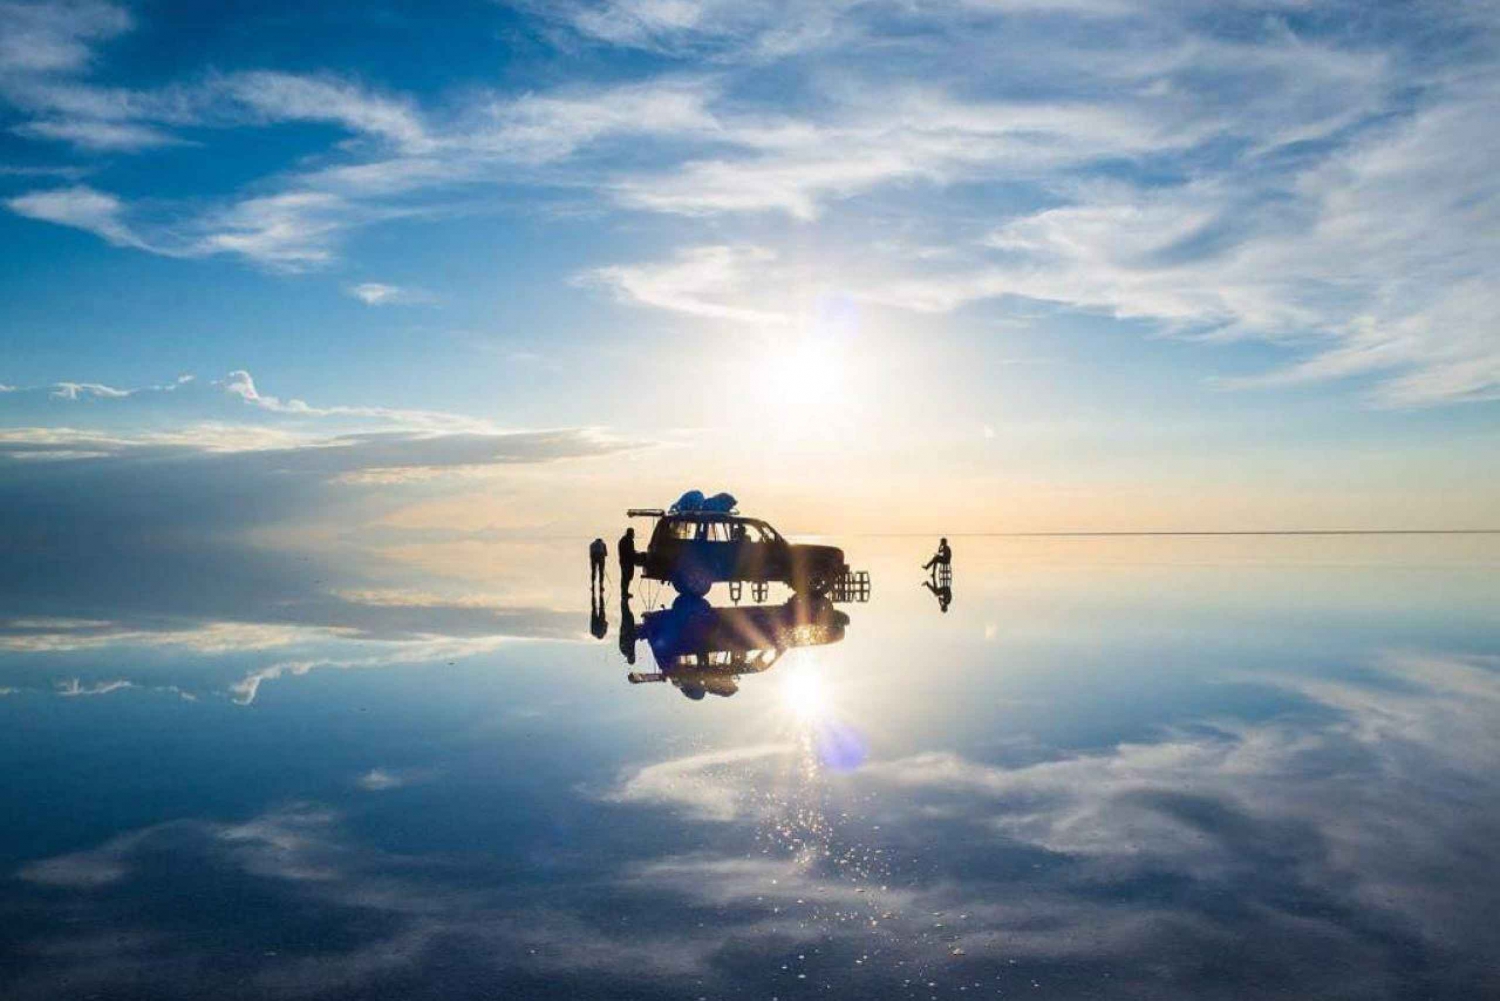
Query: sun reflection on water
[(805, 694)]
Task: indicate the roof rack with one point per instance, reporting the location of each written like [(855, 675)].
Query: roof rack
[(645, 512)]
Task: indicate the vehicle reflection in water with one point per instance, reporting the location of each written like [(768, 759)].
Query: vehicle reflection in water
[(703, 650)]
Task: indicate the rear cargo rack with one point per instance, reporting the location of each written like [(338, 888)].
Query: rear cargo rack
[(852, 586)]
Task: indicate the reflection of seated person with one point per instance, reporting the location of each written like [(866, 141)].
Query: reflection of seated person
[(942, 558), (944, 593)]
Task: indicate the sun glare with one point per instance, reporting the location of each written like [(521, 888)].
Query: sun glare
[(805, 695), (809, 370)]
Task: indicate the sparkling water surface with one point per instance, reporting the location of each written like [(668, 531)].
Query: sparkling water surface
[(1113, 767)]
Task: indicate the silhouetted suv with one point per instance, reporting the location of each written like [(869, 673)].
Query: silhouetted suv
[(693, 550)]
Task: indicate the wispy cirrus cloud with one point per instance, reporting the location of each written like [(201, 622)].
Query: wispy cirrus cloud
[(1315, 183), (99, 135), (716, 282), (80, 207)]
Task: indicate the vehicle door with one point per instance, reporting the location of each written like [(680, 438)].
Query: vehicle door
[(718, 549), (670, 544), (756, 552)]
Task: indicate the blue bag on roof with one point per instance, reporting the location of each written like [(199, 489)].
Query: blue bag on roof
[(690, 501), (721, 503)]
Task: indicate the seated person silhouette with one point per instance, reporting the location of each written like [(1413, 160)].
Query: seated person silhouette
[(942, 558), (944, 594)]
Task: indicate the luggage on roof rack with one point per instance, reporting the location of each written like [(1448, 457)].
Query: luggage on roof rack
[(694, 502)]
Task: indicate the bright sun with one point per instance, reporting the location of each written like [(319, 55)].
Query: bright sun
[(805, 695), (809, 370)]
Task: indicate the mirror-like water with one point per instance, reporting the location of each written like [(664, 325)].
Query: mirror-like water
[(1190, 767)]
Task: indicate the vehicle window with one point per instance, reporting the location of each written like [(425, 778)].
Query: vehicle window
[(684, 530), (718, 532)]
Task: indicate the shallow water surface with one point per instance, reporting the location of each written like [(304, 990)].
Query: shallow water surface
[(1112, 767)]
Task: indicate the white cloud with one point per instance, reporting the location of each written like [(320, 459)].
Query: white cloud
[(1328, 191), (53, 36), (381, 294), (701, 785), (896, 134), (1302, 804), (383, 779), (80, 207), (81, 870), (284, 97), (405, 651), (83, 390), (99, 135), (701, 281), (73, 687), (540, 128), (65, 635), (292, 230), (1276, 836), (737, 30)]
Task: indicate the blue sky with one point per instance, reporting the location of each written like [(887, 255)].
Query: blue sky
[(1074, 263)]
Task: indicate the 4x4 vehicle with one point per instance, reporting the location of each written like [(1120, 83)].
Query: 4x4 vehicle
[(693, 550)]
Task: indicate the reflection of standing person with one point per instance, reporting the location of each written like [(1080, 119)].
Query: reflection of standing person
[(627, 561), (942, 558), (598, 624), (627, 630), (598, 553)]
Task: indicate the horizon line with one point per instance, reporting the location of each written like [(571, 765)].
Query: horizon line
[(1190, 532)]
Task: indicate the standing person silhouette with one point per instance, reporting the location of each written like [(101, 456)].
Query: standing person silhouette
[(598, 554), (627, 561), (942, 558)]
